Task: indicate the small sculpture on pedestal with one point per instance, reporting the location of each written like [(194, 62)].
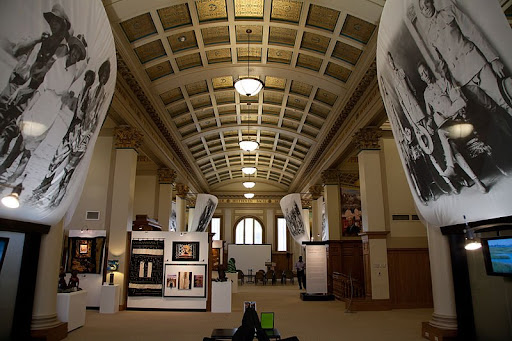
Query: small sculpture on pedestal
[(62, 286), (74, 282)]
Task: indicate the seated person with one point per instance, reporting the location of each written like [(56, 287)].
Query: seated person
[(251, 325)]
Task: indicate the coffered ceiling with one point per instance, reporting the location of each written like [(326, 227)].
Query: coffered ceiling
[(186, 55)]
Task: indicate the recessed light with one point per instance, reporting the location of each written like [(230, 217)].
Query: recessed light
[(181, 39)]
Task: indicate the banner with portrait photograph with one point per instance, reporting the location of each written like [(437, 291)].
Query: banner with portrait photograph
[(292, 209), (444, 69), (203, 212), (57, 78)]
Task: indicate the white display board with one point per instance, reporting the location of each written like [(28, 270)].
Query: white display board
[(316, 269), (250, 256), (185, 303)]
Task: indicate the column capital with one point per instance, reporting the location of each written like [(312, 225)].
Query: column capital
[(127, 137), (181, 190), (367, 138), (316, 191), (331, 177), (306, 203), (191, 201), (166, 176)]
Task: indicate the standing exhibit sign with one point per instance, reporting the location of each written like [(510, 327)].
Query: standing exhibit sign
[(444, 71), (57, 78), (292, 209), (316, 268)]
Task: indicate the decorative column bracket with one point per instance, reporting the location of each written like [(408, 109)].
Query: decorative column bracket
[(127, 137), (166, 176), (182, 190), (368, 138), (331, 177), (316, 191)]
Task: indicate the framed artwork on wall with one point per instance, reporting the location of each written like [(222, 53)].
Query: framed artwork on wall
[(185, 251), (185, 280), (215, 259)]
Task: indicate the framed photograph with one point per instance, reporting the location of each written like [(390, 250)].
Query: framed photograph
[(249, 304), (185, 251), (185, 280), (215, 259), (3, 249)]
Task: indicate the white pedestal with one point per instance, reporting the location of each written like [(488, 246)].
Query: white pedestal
[(221, 297), (234, 278), (109, 301), (71, 308)]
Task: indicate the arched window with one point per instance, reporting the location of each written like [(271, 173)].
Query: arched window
[(248, 231)]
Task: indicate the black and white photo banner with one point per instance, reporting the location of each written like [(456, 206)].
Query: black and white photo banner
[(444, 69), (292, 209), (57, 78), (203, 212)]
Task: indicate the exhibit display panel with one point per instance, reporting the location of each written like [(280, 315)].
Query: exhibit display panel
[(250, 256), (183, 282), (316, 269)]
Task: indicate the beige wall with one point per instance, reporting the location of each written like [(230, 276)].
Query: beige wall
[(407, 233), (146, 195), (94, 196)]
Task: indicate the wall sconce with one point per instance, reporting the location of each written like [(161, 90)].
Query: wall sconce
[(13, 200), (471, 242)]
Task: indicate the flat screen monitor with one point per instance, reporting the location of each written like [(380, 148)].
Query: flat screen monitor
[(267, 320), (498, 255)]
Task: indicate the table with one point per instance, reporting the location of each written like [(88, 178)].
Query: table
[(109, 302), (71, 308), (227, 334)]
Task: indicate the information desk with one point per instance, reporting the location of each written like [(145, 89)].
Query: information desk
[(71, 308), (227, 334)]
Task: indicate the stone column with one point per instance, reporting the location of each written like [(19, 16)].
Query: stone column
[(444, 319), (181, 207), (44, 312), (191, 204), (316, 206), (373, 218), (306, 207), (330, 178), (166, 178), (127, 140)]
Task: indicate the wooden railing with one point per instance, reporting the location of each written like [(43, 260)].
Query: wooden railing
[(345, 287)]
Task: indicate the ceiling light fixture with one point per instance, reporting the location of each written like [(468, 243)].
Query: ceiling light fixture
[(249, 184), (247, 144), (248, 86), (249, 195), (471, 242), (13, 200), (249, 170)]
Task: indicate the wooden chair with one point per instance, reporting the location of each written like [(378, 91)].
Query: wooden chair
[(279, 275), (241, 276), (270, 276), (289, 275), (259, 277)]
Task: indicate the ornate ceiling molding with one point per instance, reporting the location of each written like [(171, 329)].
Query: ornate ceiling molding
[(166, 176), (127, 137), (368, 138), (132, 82), (370, 75), (316, 191), (182, 190)]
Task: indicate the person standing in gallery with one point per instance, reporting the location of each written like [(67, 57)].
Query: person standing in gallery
[(301, 277)]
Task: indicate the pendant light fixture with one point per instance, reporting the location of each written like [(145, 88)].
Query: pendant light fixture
[(248, 86), (249, 195), (249, 170), (247, 144)]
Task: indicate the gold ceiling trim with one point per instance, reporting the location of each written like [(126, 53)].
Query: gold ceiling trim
[(182, 41), (338, 72), (315, 42), (189, 61), (357, 29), (215, 35), (249, 9), (282, 36), (286, 10), (346, 52), (224, 82), (150, 51), (138, 27), (309, 62), (301, 88), (159, 70), (175, 16), (322, 17), (211, 10), (219, 56), (171, 96), (272, 82), (325, 97), (196, 88), (279, 56), (241, 33)]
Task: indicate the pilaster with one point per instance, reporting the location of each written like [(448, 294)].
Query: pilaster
[(330, 178), (166, 178)]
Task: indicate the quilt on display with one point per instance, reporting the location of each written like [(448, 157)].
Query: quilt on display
[(85, 255), (146, 268)]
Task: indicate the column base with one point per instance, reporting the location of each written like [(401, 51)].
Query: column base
[(56, 333), (432, 333)]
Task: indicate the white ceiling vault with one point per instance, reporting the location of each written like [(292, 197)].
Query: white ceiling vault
[(180, 59)]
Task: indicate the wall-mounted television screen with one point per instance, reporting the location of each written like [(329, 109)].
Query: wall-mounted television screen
[(498, 255)]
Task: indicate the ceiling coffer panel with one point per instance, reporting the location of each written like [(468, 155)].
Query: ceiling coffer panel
[(192, 53)]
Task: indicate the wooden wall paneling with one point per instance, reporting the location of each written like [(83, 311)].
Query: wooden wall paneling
[(410, 284), (283, 260)]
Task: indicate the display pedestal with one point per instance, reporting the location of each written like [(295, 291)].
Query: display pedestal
[(71, 308), (233, 276), (109, 302), (221, 297)]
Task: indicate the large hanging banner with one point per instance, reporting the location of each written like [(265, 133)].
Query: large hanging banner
[(292, 209), (57, 78), (203, 213), (444, 70)]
